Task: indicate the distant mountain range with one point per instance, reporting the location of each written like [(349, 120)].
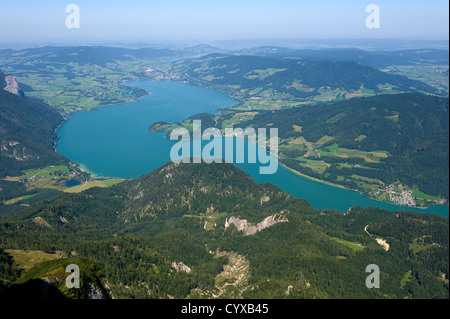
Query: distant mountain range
[(376, 59), (99, 55)]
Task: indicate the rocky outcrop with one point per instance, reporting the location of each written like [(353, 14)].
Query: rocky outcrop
[(249, 229), (231, 282), (181, 267), (12, 86), (41, 221), (14, 149), (96, 293), (383, 243)]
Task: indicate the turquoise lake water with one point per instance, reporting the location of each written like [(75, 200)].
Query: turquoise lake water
[(113, 141)]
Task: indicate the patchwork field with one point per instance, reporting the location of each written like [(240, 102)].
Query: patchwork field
[(74, 86), (434, 75)]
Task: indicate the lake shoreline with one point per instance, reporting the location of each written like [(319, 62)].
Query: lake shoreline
[(171, 101), (318, 180), (348, 189)]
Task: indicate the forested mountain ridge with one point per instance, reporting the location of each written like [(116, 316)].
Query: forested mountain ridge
[(171, 191), (298, 79), (180, 238), (27, 134), (168, 192), (412, 130)]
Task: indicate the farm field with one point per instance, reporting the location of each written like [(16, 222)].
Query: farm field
[(75, 86), (62, 178), (49, 172), (434, 75), (90, 184)]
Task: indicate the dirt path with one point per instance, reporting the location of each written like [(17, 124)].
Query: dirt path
[(383, 243)]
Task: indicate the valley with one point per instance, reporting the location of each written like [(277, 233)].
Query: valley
[(143, 227), (310, 140)]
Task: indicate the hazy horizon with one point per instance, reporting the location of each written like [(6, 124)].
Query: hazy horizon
[(223, 23)]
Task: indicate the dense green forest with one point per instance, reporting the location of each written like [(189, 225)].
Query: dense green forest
[(27, 135), (412, 128), (137, 230)]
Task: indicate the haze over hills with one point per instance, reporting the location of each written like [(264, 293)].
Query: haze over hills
[(100, 55), (373, 58)]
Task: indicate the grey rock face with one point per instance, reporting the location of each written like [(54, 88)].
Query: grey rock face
[(12, 86), (249, 229)]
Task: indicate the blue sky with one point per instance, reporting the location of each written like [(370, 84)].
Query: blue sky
[(208, 20)]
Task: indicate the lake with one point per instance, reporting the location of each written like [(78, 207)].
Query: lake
[(113, 141), (72, 182)]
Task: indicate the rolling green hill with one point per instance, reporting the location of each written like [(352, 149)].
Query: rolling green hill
[(210, 231), (285, 78)]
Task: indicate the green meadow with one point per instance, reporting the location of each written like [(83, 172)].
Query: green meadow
[(354, 246)]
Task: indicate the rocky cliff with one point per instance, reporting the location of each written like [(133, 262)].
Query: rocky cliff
[(12, 85), (249, 229)]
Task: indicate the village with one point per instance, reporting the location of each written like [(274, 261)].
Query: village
[(398, 195)]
